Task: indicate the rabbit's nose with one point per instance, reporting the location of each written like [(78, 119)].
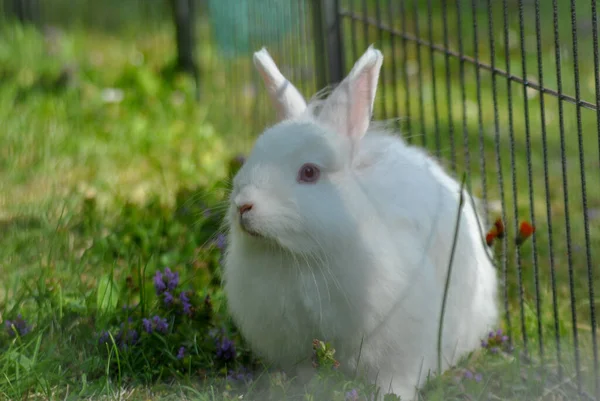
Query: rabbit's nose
[(246, 207)]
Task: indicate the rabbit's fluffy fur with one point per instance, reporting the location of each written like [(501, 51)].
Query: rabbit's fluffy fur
[(358, 258)]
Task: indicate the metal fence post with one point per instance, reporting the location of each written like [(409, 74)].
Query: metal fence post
[(333, 36), (328, 42)]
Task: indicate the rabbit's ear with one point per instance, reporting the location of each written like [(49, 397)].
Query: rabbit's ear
[(349, 108), (286, 98)]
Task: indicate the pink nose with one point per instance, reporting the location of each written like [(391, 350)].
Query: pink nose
[(245, 208)]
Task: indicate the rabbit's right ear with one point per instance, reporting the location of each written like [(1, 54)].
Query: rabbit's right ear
[(349, 108), (286, 98)]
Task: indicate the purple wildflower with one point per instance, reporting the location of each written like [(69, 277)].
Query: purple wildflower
[(504, 339), (18, 326), (160, 324), (181, 353), (494, 350), (126, 337), (221, 242), (241, 375), (147, 324), (468, 374), (226, 349), (185, 302), (484, 344), (104, 337), (499, 333), (172, 278), (352, 395), (159, 283), (478, 377), (132, 336), (168, 298)]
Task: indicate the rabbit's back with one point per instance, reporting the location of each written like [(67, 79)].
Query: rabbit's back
[(415, 197)]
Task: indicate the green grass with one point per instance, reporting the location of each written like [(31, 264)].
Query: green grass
[(93, 192)]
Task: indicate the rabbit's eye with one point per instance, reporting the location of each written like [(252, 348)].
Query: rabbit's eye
[(308, 173)]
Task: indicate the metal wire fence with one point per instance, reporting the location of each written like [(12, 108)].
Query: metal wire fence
[(507, 91)]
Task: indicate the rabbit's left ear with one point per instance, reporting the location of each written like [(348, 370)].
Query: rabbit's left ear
[(287, 99), (349, 108)]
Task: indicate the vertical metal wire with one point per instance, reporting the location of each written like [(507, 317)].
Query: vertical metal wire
[(557, 57), (382, 95), (530, 174), (419, 74), (503, 261), (479, 110), (353, 32), (547, 190), (513, 170), (463, 94), (310, 63), (396, 110), (319, 43), (590, 273), (301, 47), (405, 70), (365, 12), (448, 86), (438, 144), (586, 224)]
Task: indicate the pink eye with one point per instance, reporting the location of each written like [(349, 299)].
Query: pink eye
[(308, 173)]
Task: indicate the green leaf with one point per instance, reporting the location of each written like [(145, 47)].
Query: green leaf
[(108, 294)]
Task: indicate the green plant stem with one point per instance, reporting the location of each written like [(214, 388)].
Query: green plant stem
[(447, 285)]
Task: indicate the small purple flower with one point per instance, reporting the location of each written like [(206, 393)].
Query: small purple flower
[(185, 302), (494, 350), (221, 242), (352, 395), (159, 283), (168, 298), (132, 336), (126, 337), (147, 324), (226, 350), (504, 339), (499, 333), (18, 326), (181, 353), (484, 344), (468, 375), (241, 375), (172, 278), (492, 334), (478, 377), (104, 337), (160, 324)]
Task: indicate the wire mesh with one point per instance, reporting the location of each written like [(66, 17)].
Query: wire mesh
[(526, 103)]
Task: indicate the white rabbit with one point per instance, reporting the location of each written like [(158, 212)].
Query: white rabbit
[(344, 234)]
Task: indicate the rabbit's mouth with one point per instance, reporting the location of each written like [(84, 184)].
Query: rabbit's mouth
[(248, 230)]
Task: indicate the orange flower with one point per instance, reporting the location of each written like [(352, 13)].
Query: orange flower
[(499, 226), (525, 231), (497, 231)]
